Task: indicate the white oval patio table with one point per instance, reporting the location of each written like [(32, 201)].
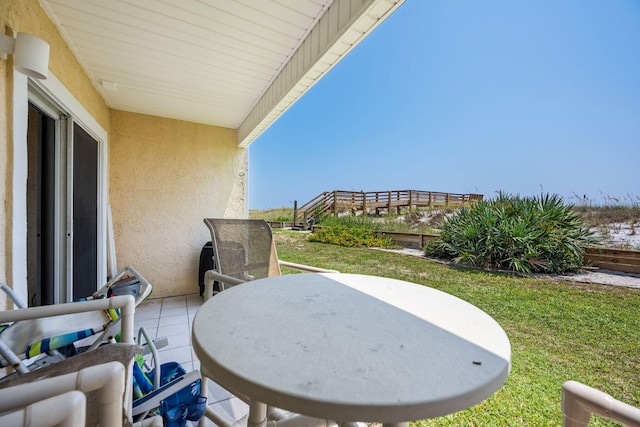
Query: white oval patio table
[(349, 347)]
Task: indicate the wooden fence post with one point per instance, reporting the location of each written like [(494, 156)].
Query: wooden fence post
[(364, 203), (295, 211)]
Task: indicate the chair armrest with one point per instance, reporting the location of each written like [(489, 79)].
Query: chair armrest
[(213, 276), (579, 401), (142, 332), (307, 268)]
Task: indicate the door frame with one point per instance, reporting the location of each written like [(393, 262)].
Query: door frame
[(24, 90)]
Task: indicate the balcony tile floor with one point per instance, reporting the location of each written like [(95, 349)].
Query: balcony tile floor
[(171, 317)]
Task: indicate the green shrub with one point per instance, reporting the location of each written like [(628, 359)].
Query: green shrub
[(530, 234), (350, 232)]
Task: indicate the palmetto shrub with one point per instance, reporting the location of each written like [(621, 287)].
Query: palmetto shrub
[(351, 232), (523, 234)]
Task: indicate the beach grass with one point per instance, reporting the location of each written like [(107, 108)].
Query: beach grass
[(281, 214)]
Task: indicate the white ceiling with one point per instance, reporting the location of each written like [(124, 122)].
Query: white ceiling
[(232, 63)]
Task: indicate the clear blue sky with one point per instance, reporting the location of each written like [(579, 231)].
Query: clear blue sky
[(469, 96)]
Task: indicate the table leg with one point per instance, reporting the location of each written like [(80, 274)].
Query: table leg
[(209, 413), (257, 414)]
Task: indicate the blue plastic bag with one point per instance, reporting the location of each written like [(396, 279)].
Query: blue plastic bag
[(186, 404)]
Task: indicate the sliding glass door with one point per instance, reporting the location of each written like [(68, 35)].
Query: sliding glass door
[(63, 206)]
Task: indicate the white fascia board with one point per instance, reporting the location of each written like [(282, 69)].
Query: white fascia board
[(345, 24)]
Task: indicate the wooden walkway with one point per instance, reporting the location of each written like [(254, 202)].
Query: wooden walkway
[(338, 201)]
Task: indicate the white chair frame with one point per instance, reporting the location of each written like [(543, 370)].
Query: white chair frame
[(579, 401)]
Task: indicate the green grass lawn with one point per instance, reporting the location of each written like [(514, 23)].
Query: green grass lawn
[(558, 330)]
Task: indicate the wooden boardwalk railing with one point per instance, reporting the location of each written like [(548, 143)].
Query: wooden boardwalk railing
[(338, 201)]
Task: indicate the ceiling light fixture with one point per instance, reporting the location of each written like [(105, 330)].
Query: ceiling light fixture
[(30, 54)]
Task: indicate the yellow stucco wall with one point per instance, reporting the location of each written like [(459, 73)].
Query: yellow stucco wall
[(5, 231), (165, 177), (28, 16)]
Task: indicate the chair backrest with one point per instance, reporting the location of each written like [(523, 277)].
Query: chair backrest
[(243, 248)]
